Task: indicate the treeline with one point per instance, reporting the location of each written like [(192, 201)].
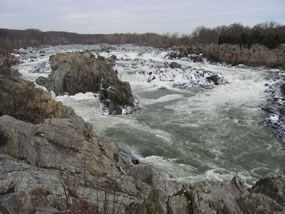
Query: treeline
[(11, 39), (269, 34)]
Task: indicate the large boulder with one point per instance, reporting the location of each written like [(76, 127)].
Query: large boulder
[(82, 72), (76, 72), (116, 96), (59, 163), (22, 100)]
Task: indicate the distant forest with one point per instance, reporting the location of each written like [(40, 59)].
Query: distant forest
[(269, 34)]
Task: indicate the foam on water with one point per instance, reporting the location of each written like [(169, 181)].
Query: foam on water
[(162, 99)]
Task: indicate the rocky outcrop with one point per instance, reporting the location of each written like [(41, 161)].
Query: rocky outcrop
[(116, 97), (197, 78), (184, 52), (273, 187), (217, 79), (81, 72), (266, 196), (232, 197), (275, 103), (20, 99), (59, 163), (257, 55), (174, 65)]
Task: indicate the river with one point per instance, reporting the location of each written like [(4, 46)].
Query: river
[(191, 133)]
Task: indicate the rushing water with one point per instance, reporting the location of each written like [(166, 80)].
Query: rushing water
[(190, 133)]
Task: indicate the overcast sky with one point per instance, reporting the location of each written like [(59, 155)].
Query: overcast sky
[(121, 16)]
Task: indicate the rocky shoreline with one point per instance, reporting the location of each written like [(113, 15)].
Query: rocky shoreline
[(53, 162), (257, 55), (275, 103)]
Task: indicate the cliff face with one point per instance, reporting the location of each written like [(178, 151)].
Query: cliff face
[(234, 54)]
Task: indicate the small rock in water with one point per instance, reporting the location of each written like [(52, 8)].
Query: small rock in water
[(151, 78), (174, 65), (135, 160)]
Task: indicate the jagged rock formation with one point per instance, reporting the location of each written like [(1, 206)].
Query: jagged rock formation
[(81, 72), (266, 196), (275, 103), (20, 99), (257, 55)]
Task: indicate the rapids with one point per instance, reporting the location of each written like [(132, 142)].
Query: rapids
[(190, 132)]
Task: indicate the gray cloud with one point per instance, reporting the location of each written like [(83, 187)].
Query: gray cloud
[(109, 16)]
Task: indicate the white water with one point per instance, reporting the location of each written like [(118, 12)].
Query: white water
[(191, 133)]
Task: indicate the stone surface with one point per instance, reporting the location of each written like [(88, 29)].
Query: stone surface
[(116, 97), (174, 65), (216, 79), (46, 210), (142, 172), (58, 161), (22, 100), (82, 72), (259, 203), (216, 197), (257, 55), (43, 81), (275, 103), (273, 187)]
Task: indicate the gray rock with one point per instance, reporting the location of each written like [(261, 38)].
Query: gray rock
[(178, 204), (259, 203), (43, 81), (142, 172), (273, 187), (46, 210), (164, 197), (116, 96), (216, 79), (216, 197), (257, 55), (111, 60), (82, 72), (20, 99), (282, 88), (174, 65), (197, 58), (49, 163), (56, 143)]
